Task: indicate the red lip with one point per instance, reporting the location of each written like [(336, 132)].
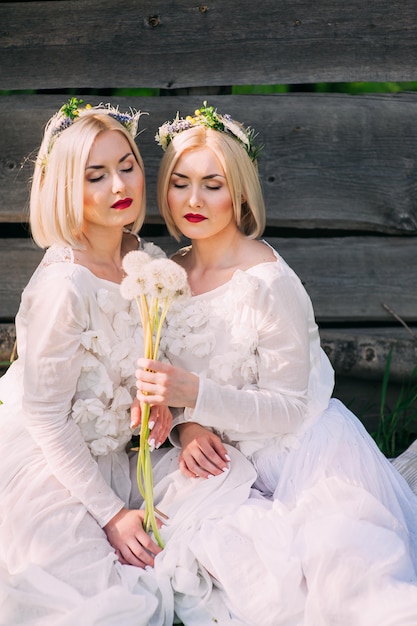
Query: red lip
[(194, 217), (122, 204)]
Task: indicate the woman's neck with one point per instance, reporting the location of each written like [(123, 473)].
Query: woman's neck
[(218, 253), (102, 253), (210, 264)]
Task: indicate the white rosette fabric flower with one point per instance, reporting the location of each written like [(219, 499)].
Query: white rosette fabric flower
[(105, 428), (104, 445), (222, 367), (124, 355), (85, 413), (94, 375), (95, 341), (122, 324)]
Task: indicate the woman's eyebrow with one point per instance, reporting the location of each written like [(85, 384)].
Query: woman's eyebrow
[(208, 177), (98, 167)]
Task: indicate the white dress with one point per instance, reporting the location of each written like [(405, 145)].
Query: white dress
[(64, 471), (329, 534)]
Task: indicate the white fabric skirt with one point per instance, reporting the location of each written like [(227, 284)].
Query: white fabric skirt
[(331, 542), (333, 545)]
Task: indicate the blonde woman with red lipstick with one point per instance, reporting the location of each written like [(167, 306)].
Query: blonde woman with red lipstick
[(327, 533), (72, 546)]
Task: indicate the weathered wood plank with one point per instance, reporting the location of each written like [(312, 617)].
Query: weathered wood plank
[(18, 259), (348, 278), (181, 44), (329, 162), (363, 352)]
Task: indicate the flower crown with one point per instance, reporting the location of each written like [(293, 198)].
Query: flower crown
[(71, 111), (208, 116)]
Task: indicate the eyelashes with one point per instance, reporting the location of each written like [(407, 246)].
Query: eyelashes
[(179, 186), (98, 178)]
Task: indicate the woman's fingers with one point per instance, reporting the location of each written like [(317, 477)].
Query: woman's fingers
[(162, 384), (201, 458), (135, 413), (131, 542), (160, 422)]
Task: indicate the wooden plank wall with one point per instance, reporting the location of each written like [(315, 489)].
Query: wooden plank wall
[(339, 172)]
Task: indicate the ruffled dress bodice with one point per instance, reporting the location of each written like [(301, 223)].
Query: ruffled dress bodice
[(109, 342), (255, 334)]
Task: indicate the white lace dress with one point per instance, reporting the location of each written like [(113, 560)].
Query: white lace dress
[(328, 537)]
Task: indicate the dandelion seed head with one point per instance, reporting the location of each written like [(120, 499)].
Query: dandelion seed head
[(134, 262), (166, 279), (132, 287)]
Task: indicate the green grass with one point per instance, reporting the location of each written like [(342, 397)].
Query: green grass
[(347, 88), (397, 427), (355, 88)]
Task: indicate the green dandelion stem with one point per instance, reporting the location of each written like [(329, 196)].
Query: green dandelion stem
[(159, 328)]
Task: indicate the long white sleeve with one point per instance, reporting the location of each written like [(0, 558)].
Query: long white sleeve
[(277, 385), (276, 404), (57, 315)]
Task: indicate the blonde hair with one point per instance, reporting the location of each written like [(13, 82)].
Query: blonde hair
[(240, 172), (57, 192)]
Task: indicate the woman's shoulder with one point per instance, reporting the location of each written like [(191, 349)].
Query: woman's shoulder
[(58, 268), (57, 254), (56, 260), (277, 280), (271, 263), (257, 252)]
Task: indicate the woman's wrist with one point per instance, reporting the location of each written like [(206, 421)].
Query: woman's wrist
[(188, 431), (190, 390)]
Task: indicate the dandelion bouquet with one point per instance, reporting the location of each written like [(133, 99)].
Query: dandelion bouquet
[(154, 283)]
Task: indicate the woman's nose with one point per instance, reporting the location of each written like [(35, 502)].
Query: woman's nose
[(118, 183), (195, 199)]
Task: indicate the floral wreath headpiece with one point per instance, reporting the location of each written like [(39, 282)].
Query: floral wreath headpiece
[(208, 116), (71, 111)]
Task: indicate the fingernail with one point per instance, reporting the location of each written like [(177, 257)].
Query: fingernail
[(227, 457), (210, 476), (152, 445), (158, 445), (151, 424), (225, 469)]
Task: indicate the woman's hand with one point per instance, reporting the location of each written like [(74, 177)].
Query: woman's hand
[(132, 544), (160, 422), (160, 383), (203, 453)]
